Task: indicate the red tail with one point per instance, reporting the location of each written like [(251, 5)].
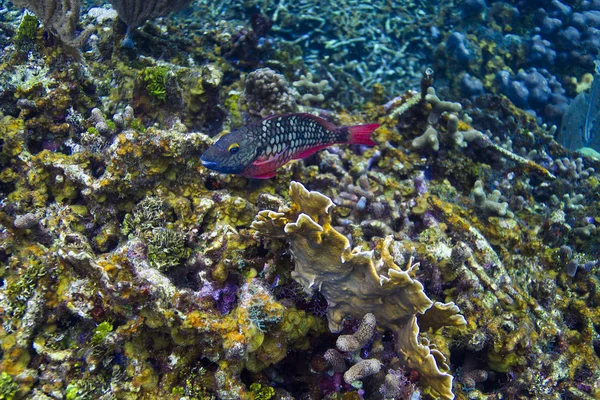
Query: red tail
[(361, 134)]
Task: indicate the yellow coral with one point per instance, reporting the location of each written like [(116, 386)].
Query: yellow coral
[(296, 323), (256, 339), (11, 133), (273, 350)]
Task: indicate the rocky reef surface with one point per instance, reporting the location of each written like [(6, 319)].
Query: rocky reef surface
[(458, 258)]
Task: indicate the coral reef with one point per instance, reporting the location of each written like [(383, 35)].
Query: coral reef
[(313, 92), (131, 271)]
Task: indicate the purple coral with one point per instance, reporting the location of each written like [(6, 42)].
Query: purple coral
[(225, 298)]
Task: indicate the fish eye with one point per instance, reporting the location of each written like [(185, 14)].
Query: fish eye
[(234, 148)]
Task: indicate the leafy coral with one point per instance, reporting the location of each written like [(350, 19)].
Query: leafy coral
[(351, 282)]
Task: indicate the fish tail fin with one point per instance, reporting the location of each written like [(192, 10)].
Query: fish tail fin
[(361, 134)]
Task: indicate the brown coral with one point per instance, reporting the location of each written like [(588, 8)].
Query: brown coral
[(355, 282)]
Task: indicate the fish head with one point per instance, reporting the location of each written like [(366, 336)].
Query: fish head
[(231, 154)]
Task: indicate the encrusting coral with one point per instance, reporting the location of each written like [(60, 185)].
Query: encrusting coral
[(354, 282)]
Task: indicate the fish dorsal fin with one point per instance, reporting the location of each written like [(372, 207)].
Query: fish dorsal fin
[(324, 123)]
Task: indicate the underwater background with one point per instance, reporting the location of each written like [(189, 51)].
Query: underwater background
[(456, 258)]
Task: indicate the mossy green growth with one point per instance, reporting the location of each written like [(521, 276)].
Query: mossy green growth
[(261, 392), (155, 79), (137, 125), (503, 362), (19, 292), (72, 392), (166, 248), (27, 30), (8, 387), (148, 214), (102, 330), (232, 104), (178, 390)]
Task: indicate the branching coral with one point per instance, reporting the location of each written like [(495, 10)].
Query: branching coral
[(362, 368), (355, 282), (459, 133), (312, 92), (490, 204)]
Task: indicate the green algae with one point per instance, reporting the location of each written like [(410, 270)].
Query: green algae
[(148, 214), (26, 32), (8, 388), (166, 248), (155, 80), (261, 392), (101, 331)]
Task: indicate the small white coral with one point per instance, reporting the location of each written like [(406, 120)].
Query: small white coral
[(312, 92)]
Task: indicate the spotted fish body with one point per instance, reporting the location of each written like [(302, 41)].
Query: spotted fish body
[(259, 149)]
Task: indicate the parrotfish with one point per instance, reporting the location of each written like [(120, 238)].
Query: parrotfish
[(257, 150)]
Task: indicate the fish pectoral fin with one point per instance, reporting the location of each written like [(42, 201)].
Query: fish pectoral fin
[(310, 152), (261, 162), (262, 168)]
